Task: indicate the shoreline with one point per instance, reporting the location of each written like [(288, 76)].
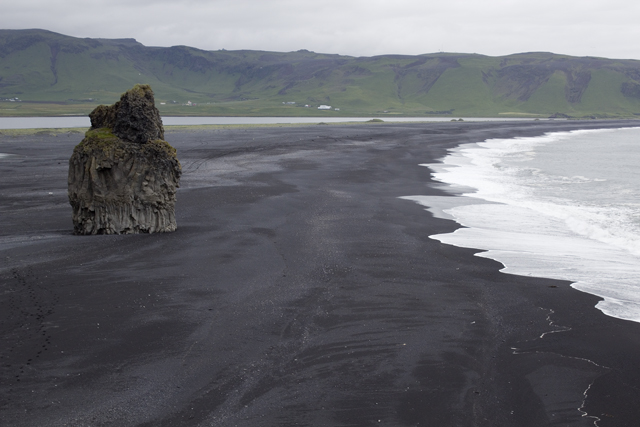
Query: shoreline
[(527, 253), (298, 289)]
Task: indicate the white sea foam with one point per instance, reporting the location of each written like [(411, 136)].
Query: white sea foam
[(564, 206)]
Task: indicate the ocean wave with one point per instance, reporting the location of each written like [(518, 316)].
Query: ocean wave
[(582, 227)]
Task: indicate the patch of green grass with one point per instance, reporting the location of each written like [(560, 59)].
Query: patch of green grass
[(101, 139), (464, 90), (550, 97), (42, 131), (604, 95)]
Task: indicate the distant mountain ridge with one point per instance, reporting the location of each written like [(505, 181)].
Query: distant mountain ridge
[(57, 72)]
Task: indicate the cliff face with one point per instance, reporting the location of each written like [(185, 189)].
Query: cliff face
[(123, 176)]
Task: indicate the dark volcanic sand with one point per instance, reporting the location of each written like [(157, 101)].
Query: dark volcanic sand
[(298, 290)]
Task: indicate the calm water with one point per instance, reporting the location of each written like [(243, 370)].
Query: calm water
[(75, 121), (565, 206)]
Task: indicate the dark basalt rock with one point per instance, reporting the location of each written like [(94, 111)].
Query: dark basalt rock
[(134, 118), (123, 176)]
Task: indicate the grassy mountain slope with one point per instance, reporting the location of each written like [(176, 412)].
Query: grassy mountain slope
[(42, 72)]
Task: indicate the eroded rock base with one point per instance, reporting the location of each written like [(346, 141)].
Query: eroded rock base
[(121, 187), (131, 218)]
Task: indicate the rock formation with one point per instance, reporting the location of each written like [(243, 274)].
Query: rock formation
[(123, 175)]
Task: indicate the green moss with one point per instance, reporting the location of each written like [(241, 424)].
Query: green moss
[(161, 146), (139, 90), (103, 139)]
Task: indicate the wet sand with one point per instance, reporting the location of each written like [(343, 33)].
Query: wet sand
[(299, 290)]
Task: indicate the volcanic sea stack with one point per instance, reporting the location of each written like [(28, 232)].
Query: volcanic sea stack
[(123, 175)]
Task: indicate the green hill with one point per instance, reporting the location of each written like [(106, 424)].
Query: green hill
[(42, 72)]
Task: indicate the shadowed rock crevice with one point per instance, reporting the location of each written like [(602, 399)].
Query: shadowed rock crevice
[(123, 176)]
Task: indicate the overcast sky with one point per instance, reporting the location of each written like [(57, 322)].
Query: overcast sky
[(349, 27)]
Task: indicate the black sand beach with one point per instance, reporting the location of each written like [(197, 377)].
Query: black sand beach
[(299, 290)]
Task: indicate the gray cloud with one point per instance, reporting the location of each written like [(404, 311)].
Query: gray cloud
[(349, 27)]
